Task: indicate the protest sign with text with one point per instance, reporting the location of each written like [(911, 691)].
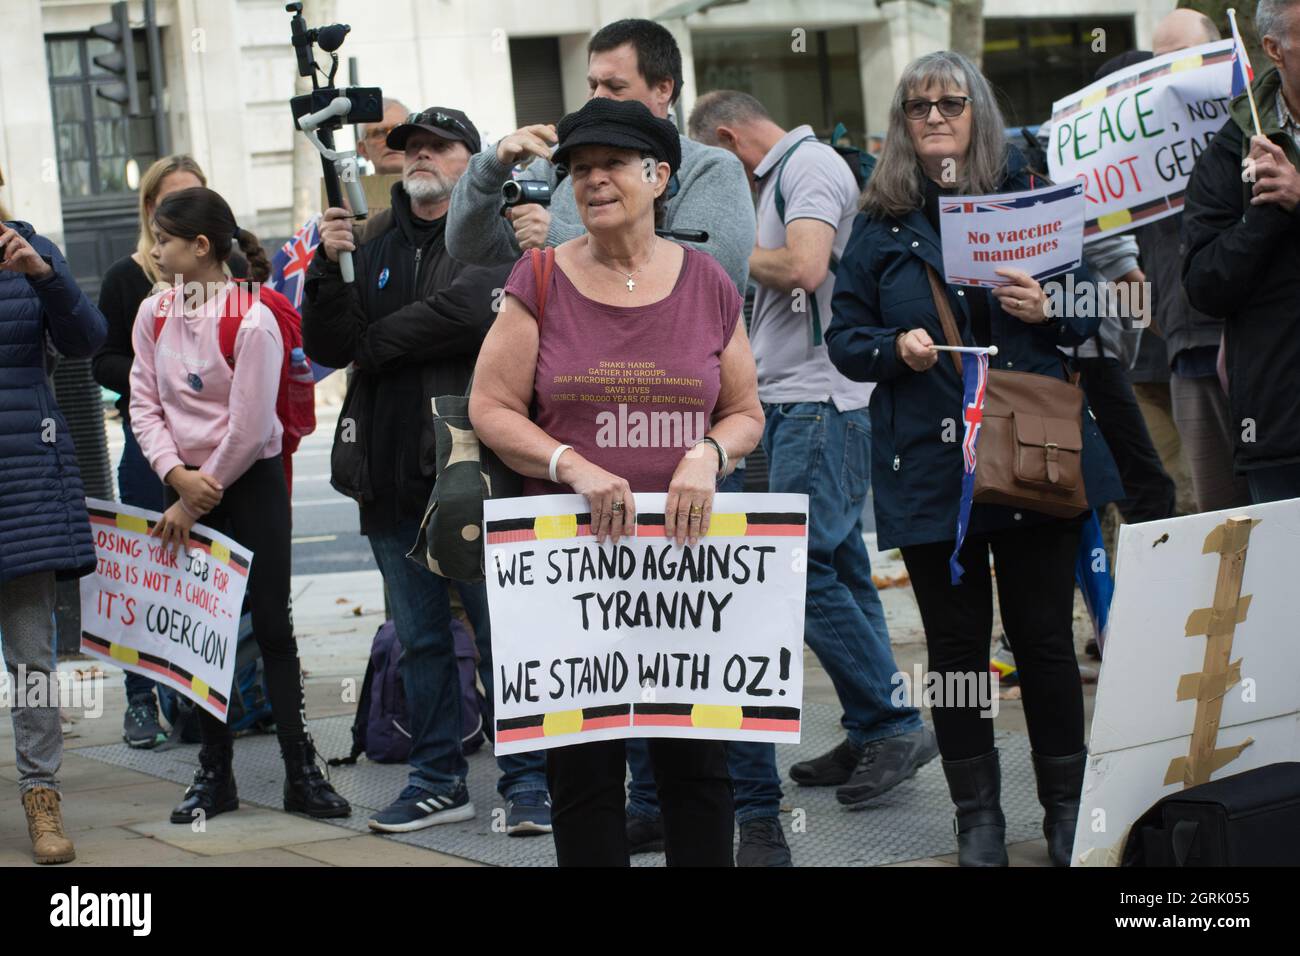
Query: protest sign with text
[(644, 638), (1134, 136), (1039, 231), (173, 618)]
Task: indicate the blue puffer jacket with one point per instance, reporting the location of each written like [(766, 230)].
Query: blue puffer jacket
[(43, 522), (881, 289)]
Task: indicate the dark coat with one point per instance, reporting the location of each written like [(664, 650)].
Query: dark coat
[(411, 339), (1243, 265), (881, 290), (43, 521)]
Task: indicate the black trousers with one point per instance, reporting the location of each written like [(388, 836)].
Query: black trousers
[(1150, 490), (588, 813), (254, 511), (1035, 572)]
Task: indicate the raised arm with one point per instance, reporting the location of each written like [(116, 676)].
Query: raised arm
[(1231, 244)]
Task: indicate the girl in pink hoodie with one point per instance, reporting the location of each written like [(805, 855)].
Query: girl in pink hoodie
[(207, 424)]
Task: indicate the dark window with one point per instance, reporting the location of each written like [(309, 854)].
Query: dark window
[(535, 72), (1034, 62), (819, 84), (93, 136)]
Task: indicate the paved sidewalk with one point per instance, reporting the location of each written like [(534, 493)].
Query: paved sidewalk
[(119, 817)]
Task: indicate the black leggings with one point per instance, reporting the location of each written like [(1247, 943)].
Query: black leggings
[(1035, 570), (588, 806), (254, 511)]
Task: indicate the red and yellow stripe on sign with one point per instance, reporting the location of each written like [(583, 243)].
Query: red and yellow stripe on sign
[(718, 717), (139, 525), (540, 528), (164, 668), (753, 524), (559, 723)]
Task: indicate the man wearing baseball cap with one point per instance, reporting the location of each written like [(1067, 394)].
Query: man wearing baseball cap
[(411, 325)]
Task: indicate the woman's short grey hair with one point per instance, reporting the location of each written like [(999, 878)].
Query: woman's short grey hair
[(1271, 18), (897, 185)]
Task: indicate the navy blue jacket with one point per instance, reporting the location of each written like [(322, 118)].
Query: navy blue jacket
[(43, 521), (881, 289)]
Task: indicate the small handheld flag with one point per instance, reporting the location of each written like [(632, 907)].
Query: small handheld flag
[(1093, 577), (1242, 72), (290, 262), (975, 380)]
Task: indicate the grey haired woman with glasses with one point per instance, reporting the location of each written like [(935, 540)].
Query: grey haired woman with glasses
[(946, 137)]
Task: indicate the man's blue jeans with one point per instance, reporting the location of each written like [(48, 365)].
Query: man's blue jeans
[(817, 450), (137, 485), (752, 765), (422, 613)]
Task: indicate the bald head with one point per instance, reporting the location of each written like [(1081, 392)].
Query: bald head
[(371, 145), (1182, 29)]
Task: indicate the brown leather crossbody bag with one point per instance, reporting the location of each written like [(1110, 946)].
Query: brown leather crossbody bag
[(1030, 449)]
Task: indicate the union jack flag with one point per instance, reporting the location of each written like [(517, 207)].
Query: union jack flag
[(289, 264), (975, 382), (1243, 74), (964, 205)]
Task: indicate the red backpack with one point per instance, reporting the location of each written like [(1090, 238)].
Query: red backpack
[(295, 403)]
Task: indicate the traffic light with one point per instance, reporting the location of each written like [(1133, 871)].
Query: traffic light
[(120, 62)]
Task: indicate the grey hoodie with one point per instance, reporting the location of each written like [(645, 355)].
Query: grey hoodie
[(713, 195)]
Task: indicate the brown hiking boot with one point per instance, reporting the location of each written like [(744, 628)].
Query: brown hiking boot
[(45, 826)]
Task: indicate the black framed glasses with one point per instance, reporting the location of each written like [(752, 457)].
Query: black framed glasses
[(949, 106)]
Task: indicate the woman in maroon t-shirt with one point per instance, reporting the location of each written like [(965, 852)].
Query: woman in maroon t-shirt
[(642, 381)]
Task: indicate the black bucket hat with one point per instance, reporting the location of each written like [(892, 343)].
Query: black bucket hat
[(625, 124)]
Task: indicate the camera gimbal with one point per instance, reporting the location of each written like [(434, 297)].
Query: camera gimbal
[(325, 109)]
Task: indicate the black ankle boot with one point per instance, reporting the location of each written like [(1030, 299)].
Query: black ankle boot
[(305, 788), (976, 789), (1060, 781), (213, 790)]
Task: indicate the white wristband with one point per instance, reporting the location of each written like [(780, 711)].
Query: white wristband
[(555, 460)]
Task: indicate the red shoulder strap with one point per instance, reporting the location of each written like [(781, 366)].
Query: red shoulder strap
[(164, 310), (241, 298), (543, 263)]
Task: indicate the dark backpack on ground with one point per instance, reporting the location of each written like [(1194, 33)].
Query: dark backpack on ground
[(382, 728), (1247, 819), (249, 709)]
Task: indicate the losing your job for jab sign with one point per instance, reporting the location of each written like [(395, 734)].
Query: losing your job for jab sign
[(644, 638), (171, 617)]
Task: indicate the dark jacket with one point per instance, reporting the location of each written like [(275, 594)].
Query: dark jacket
[(124, 287), (411, 324), (1243, 265), (43, 521), (1183, 327), (881, 290)]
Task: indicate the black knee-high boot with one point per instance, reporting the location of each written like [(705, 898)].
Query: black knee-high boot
[(976, 789), (213, 790), (1060, 781)]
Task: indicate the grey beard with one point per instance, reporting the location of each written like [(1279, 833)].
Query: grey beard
[(434, 189)]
